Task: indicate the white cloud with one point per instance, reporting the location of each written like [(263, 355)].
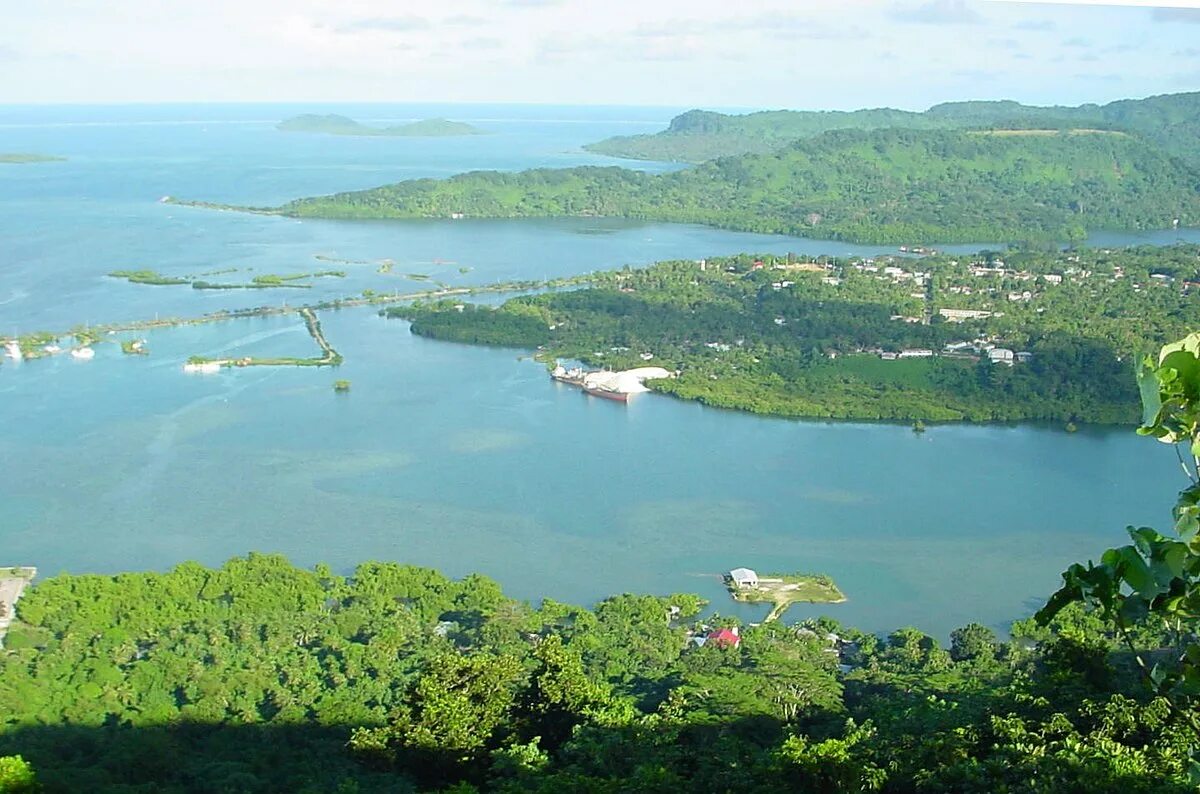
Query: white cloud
[(404, 24), (938, 12), (779, 53)]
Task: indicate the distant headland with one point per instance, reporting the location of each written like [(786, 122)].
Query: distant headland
[(333, 124), (24, 157)]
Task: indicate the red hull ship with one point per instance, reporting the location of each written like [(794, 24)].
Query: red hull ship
[(617, 396)]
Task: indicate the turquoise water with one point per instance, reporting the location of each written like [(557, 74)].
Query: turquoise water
[(462, 458)]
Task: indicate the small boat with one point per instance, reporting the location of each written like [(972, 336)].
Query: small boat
[(14, 351), (83, 353)]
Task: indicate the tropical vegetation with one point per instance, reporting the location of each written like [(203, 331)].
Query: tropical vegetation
[(882, 186), (866, 338), (1171, 121)]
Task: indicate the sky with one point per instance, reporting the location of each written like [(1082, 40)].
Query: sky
[(699, 53)]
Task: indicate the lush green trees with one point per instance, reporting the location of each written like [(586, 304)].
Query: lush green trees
[(1156, 579), (16, 776), (1171, 121), (883, 186), (806, 343), (262, 677)]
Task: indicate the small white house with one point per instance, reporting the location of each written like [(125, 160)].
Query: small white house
[(743, 577), (1000, 355)]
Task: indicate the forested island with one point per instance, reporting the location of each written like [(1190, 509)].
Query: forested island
[(18, 158), (1001, 336), (882, 186), (333, 124), (1171, 121)]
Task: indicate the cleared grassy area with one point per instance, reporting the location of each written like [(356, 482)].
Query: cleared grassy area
[(783, 590), (1046, 133)]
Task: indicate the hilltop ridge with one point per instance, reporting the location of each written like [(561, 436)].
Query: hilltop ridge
[(1169, 120), (881, 186)]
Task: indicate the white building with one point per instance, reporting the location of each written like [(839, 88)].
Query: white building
[(1000, 355), (958, 315), (743, 577)]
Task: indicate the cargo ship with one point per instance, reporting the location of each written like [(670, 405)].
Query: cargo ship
[(572, 377), (615, 386), (608, 394)]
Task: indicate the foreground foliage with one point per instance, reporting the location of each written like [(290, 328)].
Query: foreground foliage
[(1156, 579), (259, 676)]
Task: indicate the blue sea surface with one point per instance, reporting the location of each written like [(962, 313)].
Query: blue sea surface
[(461, 458)]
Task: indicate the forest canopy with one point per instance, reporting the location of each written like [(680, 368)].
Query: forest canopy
[(882, 186), (1171, 121), (866, 338)]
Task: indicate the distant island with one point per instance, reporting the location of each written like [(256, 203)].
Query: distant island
[(1171, 121), (333, 124), (21, 157)]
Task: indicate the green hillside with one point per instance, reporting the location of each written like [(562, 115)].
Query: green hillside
[(885, 186), (1172, 121)]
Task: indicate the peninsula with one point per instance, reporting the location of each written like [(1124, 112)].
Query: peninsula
[(781, 590), (884, 186), (334, 124), (1013, 336)]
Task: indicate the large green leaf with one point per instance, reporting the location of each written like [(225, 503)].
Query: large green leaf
[(1132, 569), (1184, 358), (1150, 388)]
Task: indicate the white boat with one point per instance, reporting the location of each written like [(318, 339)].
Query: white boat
[(13, 350), (83, 353), (51, 349)]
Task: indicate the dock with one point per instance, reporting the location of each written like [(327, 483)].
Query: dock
[(13, 582)]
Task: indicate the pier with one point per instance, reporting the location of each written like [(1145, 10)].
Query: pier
[(13, 582), (95, 333)]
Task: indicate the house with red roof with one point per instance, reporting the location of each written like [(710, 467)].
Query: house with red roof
[(725, 638)]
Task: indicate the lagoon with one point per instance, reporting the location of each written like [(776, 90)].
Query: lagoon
[(460, 458)]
